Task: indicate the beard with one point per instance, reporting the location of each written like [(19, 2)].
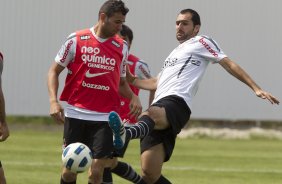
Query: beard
[(181, 36)]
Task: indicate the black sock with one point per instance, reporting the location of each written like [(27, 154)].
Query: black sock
[(63, 182), (125, 171), (107, 176), (141, 129), (162, 180)]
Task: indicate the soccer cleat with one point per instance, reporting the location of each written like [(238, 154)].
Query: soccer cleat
[(118, 129)]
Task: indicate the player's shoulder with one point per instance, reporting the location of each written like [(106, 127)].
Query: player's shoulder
[(71, 36), (118, 42), (206, 38), (207, 41), (84, 34), (85, 31), (137, 60), (142, 62), (132, 57), (142, 69), (203, 37)]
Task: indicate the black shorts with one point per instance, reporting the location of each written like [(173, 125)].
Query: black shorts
[(178, 114), (0, 164), (97, 135)]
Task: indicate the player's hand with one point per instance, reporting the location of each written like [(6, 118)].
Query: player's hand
[(265, 95), (135, 107), (57, 112), (4, 131), (129, 76)]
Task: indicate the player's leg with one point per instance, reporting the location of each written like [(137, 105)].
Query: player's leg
[(126, 171), (122, 169), (153, 118), (2, 175), (156, 148), (97, 170), (68, 177), (151, 164), (73, 132), (101, 138), (107, 176)]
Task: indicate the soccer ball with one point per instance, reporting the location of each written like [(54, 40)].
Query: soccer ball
[(77, 157)]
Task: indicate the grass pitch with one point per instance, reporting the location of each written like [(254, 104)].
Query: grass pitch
[(34, 157)]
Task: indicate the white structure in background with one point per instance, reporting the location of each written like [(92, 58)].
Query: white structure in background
[(249, 32)]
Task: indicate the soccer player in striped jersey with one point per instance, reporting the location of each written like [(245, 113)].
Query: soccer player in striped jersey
[(4, 130), (176, 86)]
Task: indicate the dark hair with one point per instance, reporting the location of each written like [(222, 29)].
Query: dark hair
[(113, 6), (195, 16), (126, 32)]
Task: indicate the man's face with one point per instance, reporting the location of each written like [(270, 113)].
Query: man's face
[(185, 28), (112, 25)]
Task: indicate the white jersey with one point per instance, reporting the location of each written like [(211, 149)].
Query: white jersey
[(184, 68)]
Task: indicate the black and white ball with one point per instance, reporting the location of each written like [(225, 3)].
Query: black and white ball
[(77, 157)]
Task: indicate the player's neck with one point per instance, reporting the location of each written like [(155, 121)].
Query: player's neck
[(99, 33)]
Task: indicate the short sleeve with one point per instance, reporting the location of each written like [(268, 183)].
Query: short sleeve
[(211, 50), (67, 52), (142, 70), (124, 59)]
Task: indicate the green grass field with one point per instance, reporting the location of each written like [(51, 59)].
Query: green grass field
[(34, 157)]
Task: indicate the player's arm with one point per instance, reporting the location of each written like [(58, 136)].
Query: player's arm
[(143, 72), (65, 55), (135, 104), (56, 110), (4, 130), (147, 84), (235, 70), (124, 89), (151, 96)]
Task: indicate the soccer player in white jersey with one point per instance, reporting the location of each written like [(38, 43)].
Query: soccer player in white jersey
[(4, 130), (96, 63), (175, 87)]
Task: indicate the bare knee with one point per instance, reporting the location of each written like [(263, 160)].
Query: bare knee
[(112, 163), (151, 163), (95, 174), (68, 176), (150, 176), (158, 115)]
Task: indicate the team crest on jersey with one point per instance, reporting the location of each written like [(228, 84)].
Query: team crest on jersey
[(116, 44), (85, 37), (197, 63)]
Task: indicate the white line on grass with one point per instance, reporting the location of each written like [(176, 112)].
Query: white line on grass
[(202, 169), (224, 169)]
